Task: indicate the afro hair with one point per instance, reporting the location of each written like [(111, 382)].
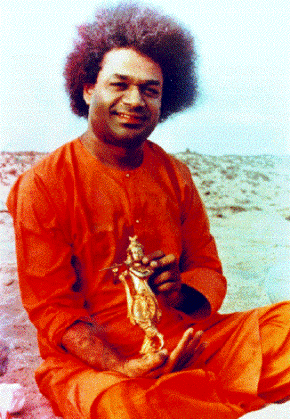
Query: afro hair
[(146, 30)]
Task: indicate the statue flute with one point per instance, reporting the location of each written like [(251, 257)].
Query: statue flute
[(142, 305)]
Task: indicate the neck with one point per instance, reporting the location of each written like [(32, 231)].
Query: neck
[(124, 158)]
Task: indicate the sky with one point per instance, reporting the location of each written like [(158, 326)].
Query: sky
[(243, 71)]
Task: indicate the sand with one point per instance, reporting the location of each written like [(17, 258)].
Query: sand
[(248, 202)]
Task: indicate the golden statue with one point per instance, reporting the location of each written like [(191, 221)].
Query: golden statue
[(142, 304)]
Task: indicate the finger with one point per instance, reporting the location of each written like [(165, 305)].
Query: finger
[(153, 363), (184, 350), (140, 367), (197, 353), (190, 354), (166, 284), (196, 339), (155, 359), (155, 255), (156, 373), (184, 342), (163, 277), (163, 262), (165, 369), (178, 351)]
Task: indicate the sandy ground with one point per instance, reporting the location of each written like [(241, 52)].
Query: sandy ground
[(248, 202)]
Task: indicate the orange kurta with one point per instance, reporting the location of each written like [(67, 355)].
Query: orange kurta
[(73, 217)]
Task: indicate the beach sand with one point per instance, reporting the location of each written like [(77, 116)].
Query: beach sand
[(248, 202)]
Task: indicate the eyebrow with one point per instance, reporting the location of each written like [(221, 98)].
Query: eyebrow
[(150, 81)]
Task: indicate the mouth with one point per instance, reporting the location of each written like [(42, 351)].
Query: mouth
[(131, 118)]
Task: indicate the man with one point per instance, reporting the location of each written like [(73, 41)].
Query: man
[(74, 213)]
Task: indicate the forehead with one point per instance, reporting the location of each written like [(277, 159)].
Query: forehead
[(130, 63)]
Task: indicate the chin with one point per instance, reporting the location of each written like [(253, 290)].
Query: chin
[(133, 138), (131, 143)]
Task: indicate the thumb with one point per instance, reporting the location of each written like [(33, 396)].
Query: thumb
[(155, 359)]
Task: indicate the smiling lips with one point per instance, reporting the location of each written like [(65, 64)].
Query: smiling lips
[(131, 118)]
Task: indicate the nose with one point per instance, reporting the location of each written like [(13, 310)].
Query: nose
[(133, 97)]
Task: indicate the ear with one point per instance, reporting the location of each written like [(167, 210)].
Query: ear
[(88, 92)]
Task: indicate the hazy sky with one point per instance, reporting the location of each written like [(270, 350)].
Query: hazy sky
[(243, 47)]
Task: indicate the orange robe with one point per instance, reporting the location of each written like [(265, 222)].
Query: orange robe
[(72, 218)]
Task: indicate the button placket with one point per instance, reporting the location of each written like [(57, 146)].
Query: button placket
[(128, 188), (131, 193)]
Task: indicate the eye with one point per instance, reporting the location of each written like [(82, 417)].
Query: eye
[(119, 85), (151, 91)]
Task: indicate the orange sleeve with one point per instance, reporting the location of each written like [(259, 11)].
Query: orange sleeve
[(200, 265), (46, 275)]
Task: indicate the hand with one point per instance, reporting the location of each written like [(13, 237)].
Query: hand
[(165, 279), (146, 366), (186, 353)]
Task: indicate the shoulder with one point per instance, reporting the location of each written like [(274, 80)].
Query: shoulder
[(168, 161), (54, 164), (44, 178)]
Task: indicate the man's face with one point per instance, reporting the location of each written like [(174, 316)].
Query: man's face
[(124, 103)]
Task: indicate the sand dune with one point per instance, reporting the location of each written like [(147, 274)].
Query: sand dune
[(248, 202)]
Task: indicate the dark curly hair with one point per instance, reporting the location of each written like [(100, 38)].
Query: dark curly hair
[(146, 30)]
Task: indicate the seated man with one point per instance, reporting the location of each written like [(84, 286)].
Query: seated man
[(73, 215)]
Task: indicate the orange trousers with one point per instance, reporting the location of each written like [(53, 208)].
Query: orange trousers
[(246, 364)]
